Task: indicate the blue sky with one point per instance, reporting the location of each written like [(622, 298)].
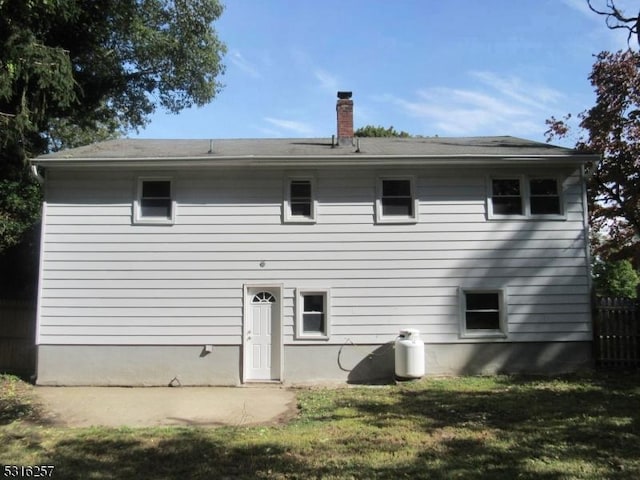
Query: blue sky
[(447, 68)]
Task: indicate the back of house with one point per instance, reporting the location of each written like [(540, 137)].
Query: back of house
[(220, 262)]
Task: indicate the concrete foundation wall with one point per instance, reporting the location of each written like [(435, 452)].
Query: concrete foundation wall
[(375, 363), (159, 365), (137, 365)]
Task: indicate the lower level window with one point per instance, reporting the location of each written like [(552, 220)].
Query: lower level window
[(313, 314), (483, 313)]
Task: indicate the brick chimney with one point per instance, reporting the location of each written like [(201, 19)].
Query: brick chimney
[(344, 108)]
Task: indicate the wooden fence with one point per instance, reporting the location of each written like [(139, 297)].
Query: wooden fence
[(616, 332), (17, 337)]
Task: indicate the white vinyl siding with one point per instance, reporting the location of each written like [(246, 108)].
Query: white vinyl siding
[(106, 281)]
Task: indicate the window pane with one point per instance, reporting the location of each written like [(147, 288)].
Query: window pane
[(301, 189), (155, 207), (314, 303), (482, 301), (545, 199), (507, 205), (313, 322), (159, 188), (509, 187), (301, 209), (396, 188), (397, 206), (545, 205), (483, 320), (506, 198), (542, 186)]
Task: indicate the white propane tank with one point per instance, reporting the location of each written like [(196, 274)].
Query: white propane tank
[(409, 354)]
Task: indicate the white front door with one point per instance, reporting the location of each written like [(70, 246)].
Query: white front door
[(261, 344)]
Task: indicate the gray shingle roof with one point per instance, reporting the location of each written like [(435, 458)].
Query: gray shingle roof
[(146, 151), (145, 148)]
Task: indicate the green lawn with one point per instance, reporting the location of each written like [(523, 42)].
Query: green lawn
[(471, 427)]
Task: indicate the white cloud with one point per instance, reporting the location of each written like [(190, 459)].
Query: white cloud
[(579, 5), (327, 80), (294, 126), (494, 104), (243, 64), (537, 96)]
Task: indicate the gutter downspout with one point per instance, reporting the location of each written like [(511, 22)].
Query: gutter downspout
[(36, 174)]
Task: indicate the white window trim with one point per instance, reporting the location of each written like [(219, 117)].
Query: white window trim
[(380, 217), (525, 198), (300, 293), (138, 219), (501, 332), (287, 216)]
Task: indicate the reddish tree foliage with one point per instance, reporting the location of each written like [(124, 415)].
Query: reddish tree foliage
[(612, 127)]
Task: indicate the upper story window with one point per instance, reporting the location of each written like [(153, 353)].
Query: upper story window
[(154, 203), (544, 196), (396, 200), (506, 196), (524, 197), (299, 200)]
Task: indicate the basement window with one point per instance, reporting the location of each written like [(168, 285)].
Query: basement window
[(482, 313), (154, 203)]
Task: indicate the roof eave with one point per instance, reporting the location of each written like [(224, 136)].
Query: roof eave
[(314, 160)]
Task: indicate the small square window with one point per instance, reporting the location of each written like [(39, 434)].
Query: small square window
[(299, 200), (154, 203), (482, 313), (396, 202), (313, 314), (544, 196)]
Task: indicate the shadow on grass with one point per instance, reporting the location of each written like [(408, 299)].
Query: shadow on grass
[(498, 428), (190, 454), (519, 427), (16, 401)]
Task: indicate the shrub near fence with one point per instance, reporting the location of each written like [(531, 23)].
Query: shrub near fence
[(616, 332), (17, 337)]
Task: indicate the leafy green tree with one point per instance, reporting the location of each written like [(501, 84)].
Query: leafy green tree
[(612, 127), (615, 279), (76, 71), (379, 131)]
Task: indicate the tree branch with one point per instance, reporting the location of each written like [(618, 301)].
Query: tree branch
[(614, 14)]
